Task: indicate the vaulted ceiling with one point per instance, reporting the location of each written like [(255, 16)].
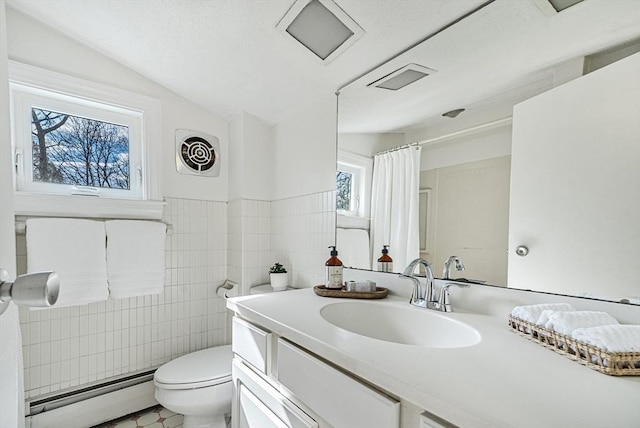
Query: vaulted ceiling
[(228, 56)]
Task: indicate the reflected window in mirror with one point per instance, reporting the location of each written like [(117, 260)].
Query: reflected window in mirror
[(353, 185), (344, 191)]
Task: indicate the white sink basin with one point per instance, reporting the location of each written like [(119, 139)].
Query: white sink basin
[(397, 323)]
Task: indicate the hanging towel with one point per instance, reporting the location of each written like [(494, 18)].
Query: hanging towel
[(612, 338), (532, 313), (566, 322), (135, 257), (75, 249)]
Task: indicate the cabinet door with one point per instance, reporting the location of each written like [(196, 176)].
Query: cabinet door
[(575, 186), (341, 400), (256, 404)]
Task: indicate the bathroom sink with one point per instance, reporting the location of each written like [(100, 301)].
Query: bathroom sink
[(404, 324)]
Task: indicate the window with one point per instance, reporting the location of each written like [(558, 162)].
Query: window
[(73, 138), (353, 184)]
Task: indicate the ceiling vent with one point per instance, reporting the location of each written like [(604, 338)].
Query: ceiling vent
[(402, 77), (321, 26), (197, 153)]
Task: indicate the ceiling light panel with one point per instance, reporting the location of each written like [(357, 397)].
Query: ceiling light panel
[(402, 77), (321, 26)]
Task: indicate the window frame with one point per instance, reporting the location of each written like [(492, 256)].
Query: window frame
[(78, 97)]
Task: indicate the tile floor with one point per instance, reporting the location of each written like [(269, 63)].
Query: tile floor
[(154, 417)]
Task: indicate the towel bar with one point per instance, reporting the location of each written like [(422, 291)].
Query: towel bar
[(21, 226)]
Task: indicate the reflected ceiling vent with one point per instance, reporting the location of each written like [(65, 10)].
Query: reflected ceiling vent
[(560, 5), (453, 113), (402, 77), (321, 26), (553, 7)]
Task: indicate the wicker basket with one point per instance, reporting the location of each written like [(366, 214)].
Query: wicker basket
[(611, 363)]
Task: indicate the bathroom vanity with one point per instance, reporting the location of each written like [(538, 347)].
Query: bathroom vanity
[(301, 360)]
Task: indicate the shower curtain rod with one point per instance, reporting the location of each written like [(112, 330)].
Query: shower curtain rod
[(472, 130), (404, 146), (478, 128)]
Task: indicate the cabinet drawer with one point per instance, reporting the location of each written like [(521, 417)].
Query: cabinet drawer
[(251, 343), (336, 397), (258, 404)]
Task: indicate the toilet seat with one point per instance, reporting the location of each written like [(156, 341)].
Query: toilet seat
[(200, 369)]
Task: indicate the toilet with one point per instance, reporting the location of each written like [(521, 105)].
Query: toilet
[(198, 386)]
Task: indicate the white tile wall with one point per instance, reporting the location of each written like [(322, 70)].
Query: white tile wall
[(249, 242), (211, 241), (69, 347), (302, 229)]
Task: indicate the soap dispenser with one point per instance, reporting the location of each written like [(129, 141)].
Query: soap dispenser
[(334, 270), (385, 263)]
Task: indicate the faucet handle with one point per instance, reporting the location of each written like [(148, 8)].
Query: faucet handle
[(444, 302)]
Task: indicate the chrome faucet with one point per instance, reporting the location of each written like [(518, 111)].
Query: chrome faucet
[(446, 272), (423, 295)]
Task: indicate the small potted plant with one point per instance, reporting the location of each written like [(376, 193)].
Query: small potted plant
[(278, 277)]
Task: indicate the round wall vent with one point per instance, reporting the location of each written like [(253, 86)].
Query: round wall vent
[(197, 153)]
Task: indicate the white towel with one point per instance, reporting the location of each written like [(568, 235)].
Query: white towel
[(566, 322), (532, 313), (544, 317), (612, 338), (354, 248), (135, 257), (75, 249)]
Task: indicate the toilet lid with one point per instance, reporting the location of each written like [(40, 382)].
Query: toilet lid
[(196, 370)]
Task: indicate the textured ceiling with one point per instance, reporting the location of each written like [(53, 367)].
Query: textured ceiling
[(227, 56)]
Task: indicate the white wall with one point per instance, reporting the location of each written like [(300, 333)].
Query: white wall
[(11, 387), (471, 217), (303, 207), (479, 146), (305, 146), (33, 43), (252, 155), (575, 196), (369, 144)]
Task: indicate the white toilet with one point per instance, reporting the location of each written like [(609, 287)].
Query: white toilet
[(198, 386)]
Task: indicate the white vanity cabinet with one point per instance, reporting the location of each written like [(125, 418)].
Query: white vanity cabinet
[(294, 388)]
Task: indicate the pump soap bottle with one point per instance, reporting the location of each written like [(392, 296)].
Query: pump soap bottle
[(385, 263), (334, 270)]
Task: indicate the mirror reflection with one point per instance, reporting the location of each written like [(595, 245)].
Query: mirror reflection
[(501, 148)]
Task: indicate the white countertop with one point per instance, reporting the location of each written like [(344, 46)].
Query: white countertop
[(504, 381)]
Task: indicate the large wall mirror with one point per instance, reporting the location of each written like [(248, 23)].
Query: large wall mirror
[(479, 101)]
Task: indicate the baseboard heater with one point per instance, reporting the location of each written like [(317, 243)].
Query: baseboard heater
[(93, 404)]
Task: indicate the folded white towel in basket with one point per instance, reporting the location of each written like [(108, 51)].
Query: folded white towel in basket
[(612, 338), (532, 313), (135, 257), (75, 249), (566, 322)]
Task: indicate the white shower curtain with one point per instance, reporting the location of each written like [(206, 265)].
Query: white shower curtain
[(394, 206)]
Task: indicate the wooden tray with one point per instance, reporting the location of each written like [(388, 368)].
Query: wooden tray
[(323, 291)]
